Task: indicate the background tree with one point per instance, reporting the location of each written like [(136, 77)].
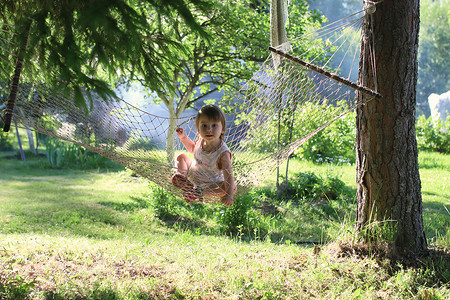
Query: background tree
[(434, 43), (240, 31), (389, 192), (434, 49)]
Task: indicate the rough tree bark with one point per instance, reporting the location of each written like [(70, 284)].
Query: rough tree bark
[(387, 173), (15, 80)]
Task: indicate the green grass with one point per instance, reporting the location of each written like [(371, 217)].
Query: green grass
[(435, 177), (100, 234)]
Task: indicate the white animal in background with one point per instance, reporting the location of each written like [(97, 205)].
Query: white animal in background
[(439, 106)]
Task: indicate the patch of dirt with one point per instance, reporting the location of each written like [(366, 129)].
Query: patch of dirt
[(267, 208), (46, 272)]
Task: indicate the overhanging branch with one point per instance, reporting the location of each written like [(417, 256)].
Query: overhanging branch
[(325, 73)]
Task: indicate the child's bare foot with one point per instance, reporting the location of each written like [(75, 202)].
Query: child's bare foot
[(188, 197), (227, 200), (180, 181), (194, 194)]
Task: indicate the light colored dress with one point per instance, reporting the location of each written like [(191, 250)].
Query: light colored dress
[(204, 169)]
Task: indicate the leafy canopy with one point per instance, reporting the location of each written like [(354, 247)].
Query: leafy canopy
[(239, 43), (78, 45)]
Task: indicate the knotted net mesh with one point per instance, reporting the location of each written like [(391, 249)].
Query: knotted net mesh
[(283, 105)]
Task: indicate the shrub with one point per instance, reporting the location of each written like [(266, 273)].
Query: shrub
[(433, 135), (5, 139), (241, 217), (309, 186), (335, 143), (164, 203), (139, 143), (61, 154)]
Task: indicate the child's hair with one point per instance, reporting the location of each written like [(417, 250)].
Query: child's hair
[(214, 113)]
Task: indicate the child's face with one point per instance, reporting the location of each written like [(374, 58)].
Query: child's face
[(210, 130)]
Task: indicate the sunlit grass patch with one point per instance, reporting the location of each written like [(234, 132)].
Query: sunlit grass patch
[(106, 235), (190, 266), (435, 177), (184, 263)]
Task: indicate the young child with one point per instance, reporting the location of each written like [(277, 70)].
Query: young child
[(210, 174)]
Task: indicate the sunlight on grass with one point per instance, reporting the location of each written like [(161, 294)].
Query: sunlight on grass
[(345, 172), (99, 235), (184, 265), (435, 176)]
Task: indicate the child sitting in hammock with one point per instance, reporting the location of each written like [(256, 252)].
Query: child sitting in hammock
[(210, 174)]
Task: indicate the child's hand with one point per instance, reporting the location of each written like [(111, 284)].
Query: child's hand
[(227, 200), (180, 132)]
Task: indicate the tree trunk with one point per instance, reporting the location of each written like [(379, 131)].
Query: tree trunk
[(389, 189), (170, 142), (15, 81), (22, 153), (31, 141), (37, 142), (172, 126)]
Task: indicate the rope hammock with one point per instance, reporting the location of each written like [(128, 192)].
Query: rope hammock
[(287, 102)]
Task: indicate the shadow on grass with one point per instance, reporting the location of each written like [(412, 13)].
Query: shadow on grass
[(45, 207), (38, 166), (103, 294), (138, 203), (432, 163), (438, 213), (21, 289), (437, 206), (184, 223), (447, 198), (77, 219)]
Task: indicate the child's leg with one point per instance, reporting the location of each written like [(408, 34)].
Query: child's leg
[(183, 164), (179, 179), (217, 190)]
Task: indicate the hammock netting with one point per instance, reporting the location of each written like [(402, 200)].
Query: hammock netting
[(274, 113)]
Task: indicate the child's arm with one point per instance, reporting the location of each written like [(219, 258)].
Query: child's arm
[(228, 183), (187, 142)]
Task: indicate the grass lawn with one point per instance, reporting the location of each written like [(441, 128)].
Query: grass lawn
[(100, 234)]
